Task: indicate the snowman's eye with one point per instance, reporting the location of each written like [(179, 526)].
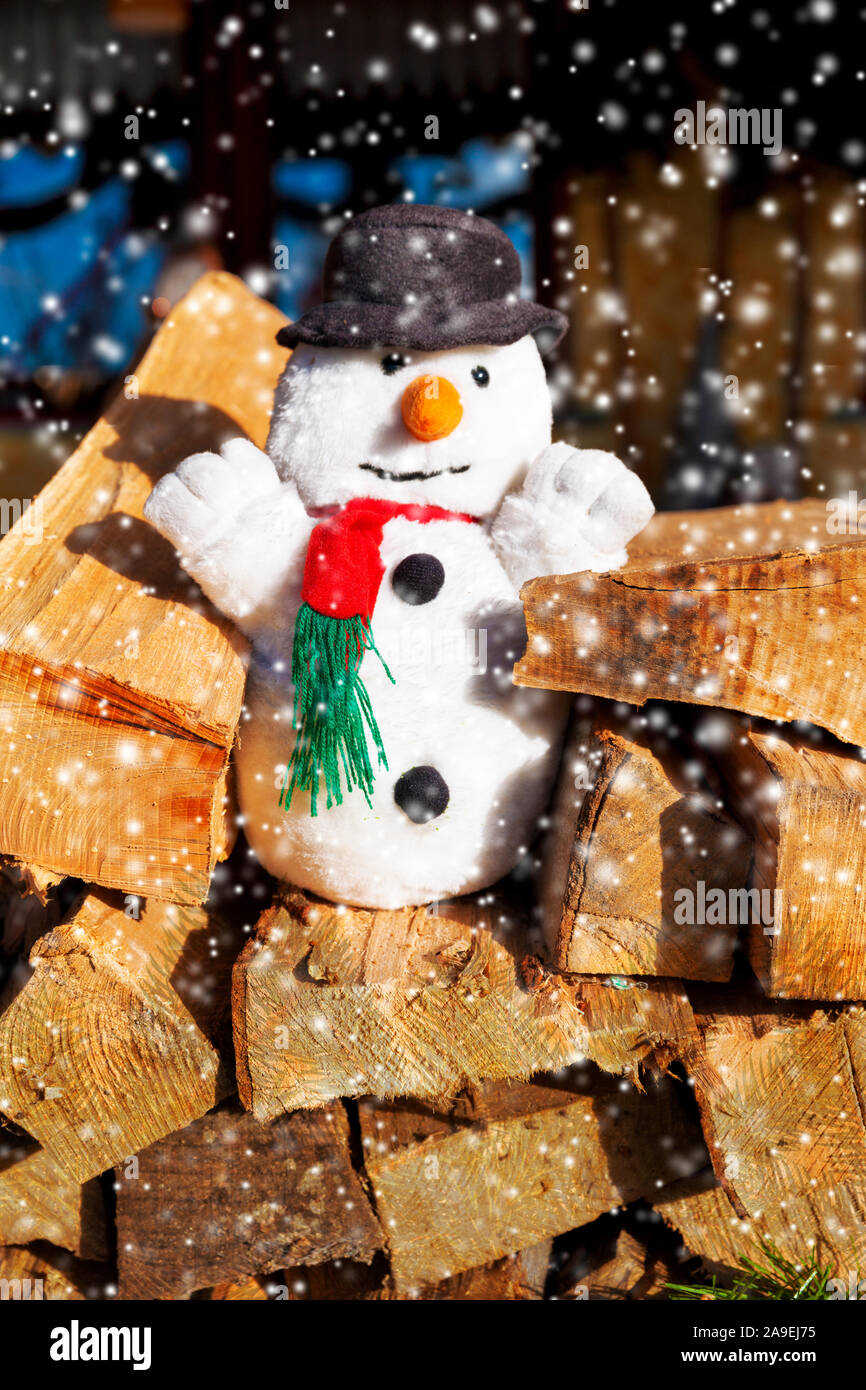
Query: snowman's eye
[(481, 376), (393, 362)]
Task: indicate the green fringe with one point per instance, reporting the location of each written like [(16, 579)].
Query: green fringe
[(332, 708)]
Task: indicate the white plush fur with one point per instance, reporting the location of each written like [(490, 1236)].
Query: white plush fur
[(577, 510), (335, 410), (240, 523)]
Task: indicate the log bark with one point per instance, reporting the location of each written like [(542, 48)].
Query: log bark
[(330, 1001), (754, 608), (39, 1202), (636, 828), (806, 913), (121, 682), (135, 1009), (521, 1164), (780, 1089), (228, 1197)]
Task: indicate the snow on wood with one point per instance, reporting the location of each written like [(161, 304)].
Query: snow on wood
[(779, 1089), (806, 916), (118, 678), (637, 841), (753, 608), (111, 1041), (228, 1197), (526, 1161), (331, 1001), (39, 1202)]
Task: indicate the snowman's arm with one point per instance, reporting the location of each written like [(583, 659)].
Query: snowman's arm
[(239, 531), (578, 510)]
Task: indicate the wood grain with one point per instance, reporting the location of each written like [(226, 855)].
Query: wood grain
[(39, 1202), (527, 1162), (780, 1089), (633, 826), (700, 1211), (754, 608), (228, 1197), (330, 1001), (806, 808), (119, 680), (111, 1041)]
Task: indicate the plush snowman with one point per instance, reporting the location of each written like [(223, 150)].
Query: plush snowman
[(373, 556)]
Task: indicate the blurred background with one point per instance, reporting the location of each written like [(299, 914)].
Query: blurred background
[(715, 291)]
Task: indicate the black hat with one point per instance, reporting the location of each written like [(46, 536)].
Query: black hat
[(427, 278)]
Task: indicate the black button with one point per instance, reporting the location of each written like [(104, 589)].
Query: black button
[(422, 793), (418, 578)]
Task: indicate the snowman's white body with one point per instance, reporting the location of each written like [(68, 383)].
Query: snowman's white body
[(241, 524), (452, 706)]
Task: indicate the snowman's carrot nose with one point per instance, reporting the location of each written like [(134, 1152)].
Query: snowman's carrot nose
[(431, 407)]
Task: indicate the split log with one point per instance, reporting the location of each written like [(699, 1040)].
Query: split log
[(806, 908), (699, 1210), (42, 1273), (332, 1001), (39, 1202), (228, 1197), (524, 1163), (625, 1271), (754, 608), (636, 829), (780, 1092), (636, 1026), (760, 256), (111, 1042), (121, 682)]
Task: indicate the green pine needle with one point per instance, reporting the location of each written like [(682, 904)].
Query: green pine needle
[(769, 1277), (332, 714)]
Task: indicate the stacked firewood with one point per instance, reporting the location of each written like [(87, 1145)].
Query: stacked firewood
[(213, 1086), (704, 326)]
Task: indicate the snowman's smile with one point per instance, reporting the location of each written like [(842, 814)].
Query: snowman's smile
[(416, 476)]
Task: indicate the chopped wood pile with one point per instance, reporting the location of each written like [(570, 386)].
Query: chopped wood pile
[(216, 1087)]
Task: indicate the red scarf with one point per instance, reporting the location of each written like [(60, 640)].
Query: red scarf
[(333, 715), (344, 569)]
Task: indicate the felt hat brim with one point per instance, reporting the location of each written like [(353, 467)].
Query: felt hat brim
[(347, 324)]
